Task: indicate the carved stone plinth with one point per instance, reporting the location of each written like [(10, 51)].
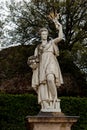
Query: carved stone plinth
[(50, 121)]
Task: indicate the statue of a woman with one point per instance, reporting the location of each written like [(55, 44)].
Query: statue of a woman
[(47, 75)]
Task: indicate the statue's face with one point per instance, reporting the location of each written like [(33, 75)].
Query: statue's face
[(44, 35)]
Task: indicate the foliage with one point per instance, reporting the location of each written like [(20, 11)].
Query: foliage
[(79, 54), (67, 65), (14, 61), (28, 17), (15, 74), (76, 106), (1, 32), (14, 109), (2, 22), (1, 28)]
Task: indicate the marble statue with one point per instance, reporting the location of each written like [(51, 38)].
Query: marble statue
[(46, 71)]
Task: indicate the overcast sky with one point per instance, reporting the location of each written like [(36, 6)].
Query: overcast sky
[(13, 0)]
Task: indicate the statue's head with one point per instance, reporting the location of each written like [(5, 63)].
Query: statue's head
[(44, 33)]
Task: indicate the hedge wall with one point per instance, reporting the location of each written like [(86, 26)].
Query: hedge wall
[(14, 109)]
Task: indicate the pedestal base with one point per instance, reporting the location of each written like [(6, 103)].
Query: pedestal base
[(50, 121)]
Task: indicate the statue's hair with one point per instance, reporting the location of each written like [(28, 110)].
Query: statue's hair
[(43, 29)]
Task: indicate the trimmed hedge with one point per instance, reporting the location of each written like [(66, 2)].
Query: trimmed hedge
[(14, 109), (76, 106)]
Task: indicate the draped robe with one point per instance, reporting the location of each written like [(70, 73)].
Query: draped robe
[(48, 65)]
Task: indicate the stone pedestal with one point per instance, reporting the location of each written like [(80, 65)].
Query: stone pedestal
[(50, 121)]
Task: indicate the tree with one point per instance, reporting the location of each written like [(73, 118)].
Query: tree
[(1, 25), (28, 17)]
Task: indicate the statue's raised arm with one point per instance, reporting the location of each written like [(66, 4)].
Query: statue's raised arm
[(58, 27)]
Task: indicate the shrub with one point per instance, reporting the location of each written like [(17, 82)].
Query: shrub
[(14, 109), (73, 106)]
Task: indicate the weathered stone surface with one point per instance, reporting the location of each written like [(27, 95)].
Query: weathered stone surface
[(50, 121)]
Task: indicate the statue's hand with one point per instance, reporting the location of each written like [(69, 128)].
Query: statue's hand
[(54, 17)]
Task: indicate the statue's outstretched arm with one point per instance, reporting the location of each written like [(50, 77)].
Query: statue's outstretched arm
[(60, 33), (54, 18)]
